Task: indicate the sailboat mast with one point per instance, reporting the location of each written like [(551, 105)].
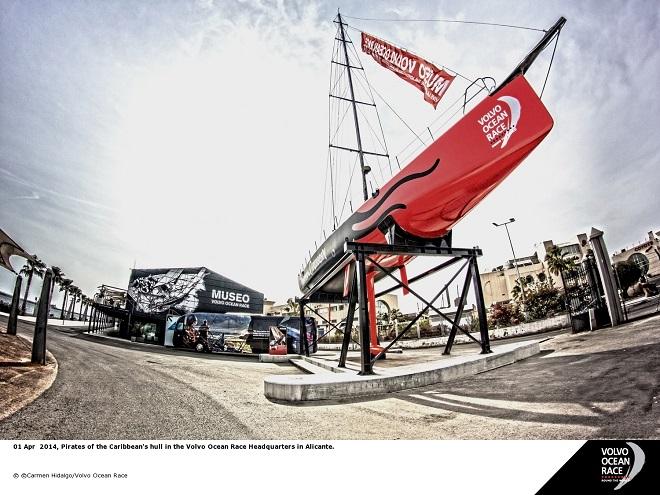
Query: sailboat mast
[(363, 167)]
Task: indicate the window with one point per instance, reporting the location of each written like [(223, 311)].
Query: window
[(641, 261)]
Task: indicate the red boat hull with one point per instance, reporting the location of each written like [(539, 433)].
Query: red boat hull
[(446, 180)]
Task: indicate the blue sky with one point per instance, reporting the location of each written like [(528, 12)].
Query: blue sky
[(194, 133)]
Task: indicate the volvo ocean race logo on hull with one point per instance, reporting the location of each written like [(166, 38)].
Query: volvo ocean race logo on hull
[(500, 122)]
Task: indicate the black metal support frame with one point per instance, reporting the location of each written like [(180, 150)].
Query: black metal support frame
[(303, 345), (365, 254), (369, 251), (333, 326), (352, 301)]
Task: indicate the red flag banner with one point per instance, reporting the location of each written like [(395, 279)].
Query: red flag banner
[(417, 71)]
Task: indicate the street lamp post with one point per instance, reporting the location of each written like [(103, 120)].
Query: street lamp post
[(515, 260)]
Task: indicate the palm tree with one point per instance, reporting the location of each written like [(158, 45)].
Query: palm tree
[(64, 286), (558, 262), (516, 290), (519, 288), (292, 306), (58, 276), (83, 302), (73, 292), (80, 300), (88, 301), (32, 267)]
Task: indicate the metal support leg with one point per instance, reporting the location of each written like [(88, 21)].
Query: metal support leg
[(39, 340), (366, 367), (13, 312), (348, 329), (481, 308), (459, 310), (129, 320), (304, 344)]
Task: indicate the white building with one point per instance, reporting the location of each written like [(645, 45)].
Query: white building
[(646, 254)]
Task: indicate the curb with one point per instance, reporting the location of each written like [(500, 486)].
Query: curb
[(334, 386)]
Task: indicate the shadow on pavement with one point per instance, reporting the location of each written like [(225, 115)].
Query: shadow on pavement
[(584, 389)]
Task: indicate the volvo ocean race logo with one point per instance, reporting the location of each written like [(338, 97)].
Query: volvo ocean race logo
[(621, 464), (499, 123)]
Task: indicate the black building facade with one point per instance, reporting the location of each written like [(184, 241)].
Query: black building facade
[(198, 309), (188, 290)]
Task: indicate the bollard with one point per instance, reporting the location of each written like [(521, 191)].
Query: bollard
[(13, 312), (39, 340)]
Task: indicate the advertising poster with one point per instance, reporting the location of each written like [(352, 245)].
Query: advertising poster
[(215, 332)]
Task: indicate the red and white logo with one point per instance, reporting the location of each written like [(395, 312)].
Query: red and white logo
[(500, 122)]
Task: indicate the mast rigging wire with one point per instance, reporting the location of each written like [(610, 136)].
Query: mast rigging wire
[(335, 171), (399, 116), (449, 21), (348, 189), (551, 60), (373, 100)]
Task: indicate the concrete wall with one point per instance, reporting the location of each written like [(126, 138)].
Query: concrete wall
[(546, 325)]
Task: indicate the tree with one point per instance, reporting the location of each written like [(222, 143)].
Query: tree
[(292, 305), (558, 264), (32, 267), (543, 300), (395, 315), (628, 273), (504, 315), (64, 287), (520, 287), (74, 292), (58, 276), (83, 303)]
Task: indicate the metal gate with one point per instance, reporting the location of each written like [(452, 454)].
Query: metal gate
[(585, 298)]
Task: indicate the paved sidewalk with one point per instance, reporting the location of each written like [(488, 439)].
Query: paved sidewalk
[(51, 321)]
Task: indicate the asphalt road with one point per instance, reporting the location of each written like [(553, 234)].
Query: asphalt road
[(602, 384)]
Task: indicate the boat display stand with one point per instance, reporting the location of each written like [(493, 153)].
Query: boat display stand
[(358, 258)]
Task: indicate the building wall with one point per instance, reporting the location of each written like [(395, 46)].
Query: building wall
[(576, 250), (643, 252), (268, 306), (497, 285)]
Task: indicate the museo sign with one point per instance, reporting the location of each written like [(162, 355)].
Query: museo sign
[(186, 290)]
